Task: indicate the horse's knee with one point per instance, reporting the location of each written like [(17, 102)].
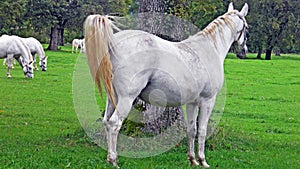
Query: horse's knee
[(192, 132), (202, 131)]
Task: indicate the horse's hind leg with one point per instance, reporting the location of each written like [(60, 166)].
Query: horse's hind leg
[(113, 125), (206, 107), (72, 48), (76, 48), (9, 65), (108, 113), (191, 110)]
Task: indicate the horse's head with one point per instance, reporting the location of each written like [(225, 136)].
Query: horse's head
[(241, 26), (43, 63), (28, 69)]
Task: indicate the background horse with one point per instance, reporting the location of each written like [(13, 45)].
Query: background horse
[(14, 47), (36, 47), (78, 43), (134, 64)]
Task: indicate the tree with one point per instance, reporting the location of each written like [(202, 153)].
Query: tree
[(59, 14), (54, 14), (289, 41), (11, 16), (268, 21), (201, 13), (277, 18)]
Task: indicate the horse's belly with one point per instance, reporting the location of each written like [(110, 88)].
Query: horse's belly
[(168, 93)]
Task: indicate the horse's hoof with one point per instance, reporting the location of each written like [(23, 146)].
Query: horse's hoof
[(203, 163), (9, 76), (114, 163), (194, 163)]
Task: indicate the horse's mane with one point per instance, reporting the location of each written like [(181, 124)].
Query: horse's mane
[(210, 30), (40, 48), (25, 47)]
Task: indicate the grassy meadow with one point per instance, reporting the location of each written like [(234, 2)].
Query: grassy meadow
[(260, 127)]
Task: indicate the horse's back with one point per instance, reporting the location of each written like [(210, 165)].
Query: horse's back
[(76, 42), (128, 42), (32, 43), (9, 45)]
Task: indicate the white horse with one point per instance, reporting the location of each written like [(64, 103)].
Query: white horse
[(134, 64), (14, 47), (78, 43), (36, 47)]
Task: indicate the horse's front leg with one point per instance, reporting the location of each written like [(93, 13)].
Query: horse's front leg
[(34, 62), (113, 125), (206, 107), (191, 110)]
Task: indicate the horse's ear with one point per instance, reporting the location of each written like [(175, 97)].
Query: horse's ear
[(244, 10), (230, 7)]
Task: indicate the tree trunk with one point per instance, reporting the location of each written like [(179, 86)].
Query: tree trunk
[(156, 119), (259, 53), (268, 54), (277, 52), (61, 36), (270, 42), (53, 39)]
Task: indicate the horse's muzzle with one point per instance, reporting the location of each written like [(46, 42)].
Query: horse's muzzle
[(29, 76)]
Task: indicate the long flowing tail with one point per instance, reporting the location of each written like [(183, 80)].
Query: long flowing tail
[(98, 43)]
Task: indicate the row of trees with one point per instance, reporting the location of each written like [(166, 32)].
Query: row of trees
[(53, 21), (273, 23)]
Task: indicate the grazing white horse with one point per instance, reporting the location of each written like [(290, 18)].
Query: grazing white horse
[(78, 43), (14, 47), (36, 47), (134, 63)]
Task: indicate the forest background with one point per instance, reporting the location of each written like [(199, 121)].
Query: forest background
[(273, 24)]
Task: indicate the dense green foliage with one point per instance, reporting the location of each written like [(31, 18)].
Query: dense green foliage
[(274, 24), (259, 128)]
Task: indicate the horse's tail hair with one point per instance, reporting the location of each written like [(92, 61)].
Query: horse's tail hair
[(98, 42)]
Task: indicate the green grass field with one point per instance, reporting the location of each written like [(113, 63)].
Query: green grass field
[(260, 127)]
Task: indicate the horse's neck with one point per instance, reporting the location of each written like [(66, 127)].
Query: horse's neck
[(40, 50), (25, 50), (216, 45)]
